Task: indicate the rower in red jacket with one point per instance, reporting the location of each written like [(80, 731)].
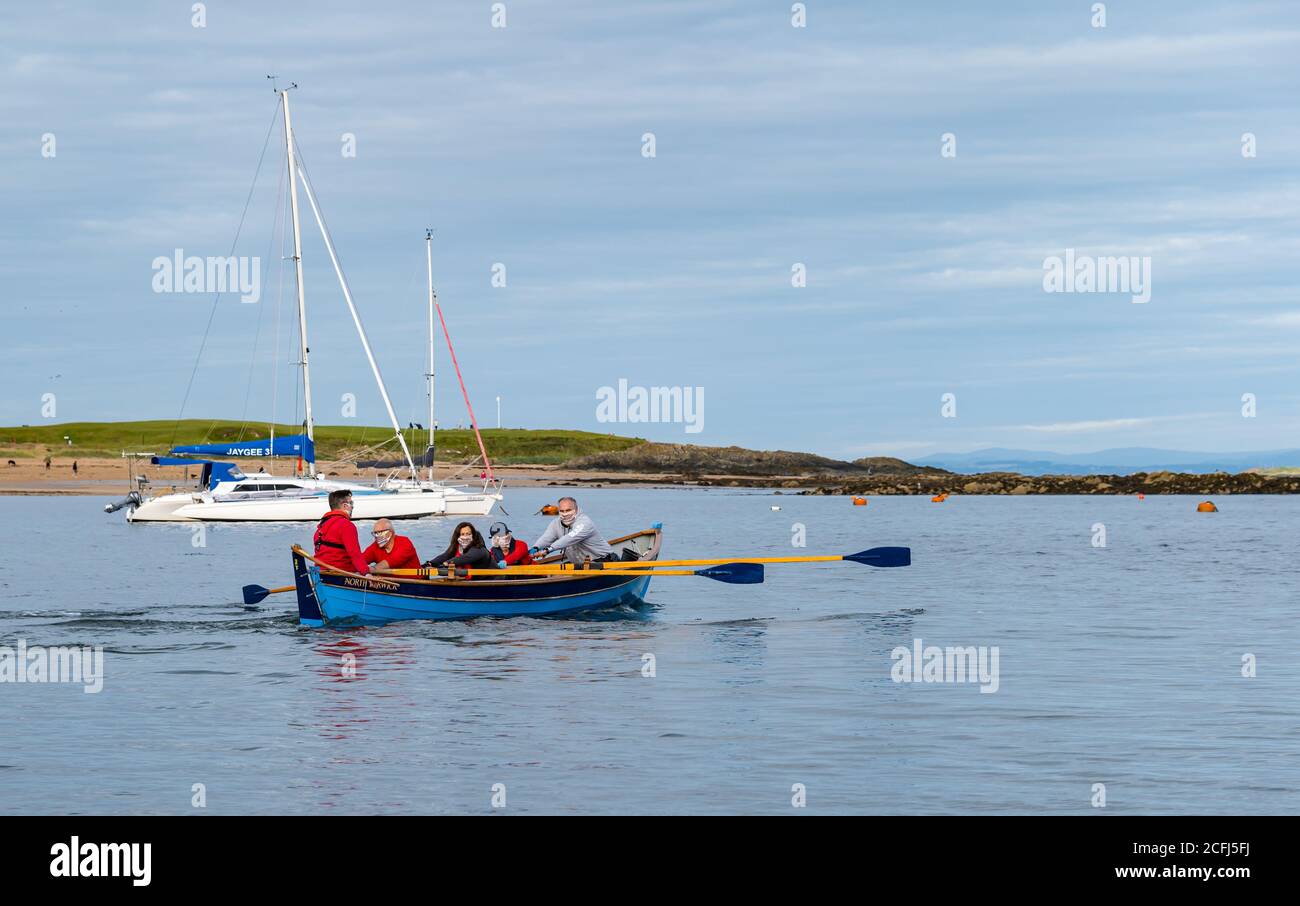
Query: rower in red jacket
[(336, 536), (506, 549), (391, 550)]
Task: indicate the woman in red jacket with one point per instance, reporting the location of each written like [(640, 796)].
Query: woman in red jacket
[(506, 549)]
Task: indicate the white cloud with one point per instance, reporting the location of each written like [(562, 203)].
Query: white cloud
[(1098, 425), (1282, 319)]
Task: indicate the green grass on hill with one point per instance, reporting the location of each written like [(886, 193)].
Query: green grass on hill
[(504, 445)]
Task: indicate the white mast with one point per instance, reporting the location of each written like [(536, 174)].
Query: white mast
[(356, 319), (297, 261), (428, 247)]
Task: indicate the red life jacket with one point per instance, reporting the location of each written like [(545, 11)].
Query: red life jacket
[(518, 555), (337, 544)]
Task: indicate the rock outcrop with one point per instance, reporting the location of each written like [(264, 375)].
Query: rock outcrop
[(1009, 483), (691, 460)]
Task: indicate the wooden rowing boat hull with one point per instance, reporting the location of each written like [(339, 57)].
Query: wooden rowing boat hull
[(327, 598)]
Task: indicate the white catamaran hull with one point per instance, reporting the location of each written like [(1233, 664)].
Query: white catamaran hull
[(465, 503)]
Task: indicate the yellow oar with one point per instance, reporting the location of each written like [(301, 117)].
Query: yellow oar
[(876, 556), (734, 573)]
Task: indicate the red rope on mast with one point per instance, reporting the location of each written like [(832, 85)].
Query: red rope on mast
[(472, 420)]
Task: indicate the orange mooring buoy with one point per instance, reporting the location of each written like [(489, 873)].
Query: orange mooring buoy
[(859, 501), (1206, 507), (549, 510), (1141, 496)]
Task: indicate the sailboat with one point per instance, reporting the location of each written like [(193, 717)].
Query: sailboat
[(490, 483), (226, 494)]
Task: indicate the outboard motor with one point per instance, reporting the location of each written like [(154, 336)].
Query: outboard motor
[(131, 500)]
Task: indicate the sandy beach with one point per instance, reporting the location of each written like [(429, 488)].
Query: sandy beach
[(110, 476)]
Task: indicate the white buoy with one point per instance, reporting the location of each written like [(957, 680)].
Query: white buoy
[(776, 509)]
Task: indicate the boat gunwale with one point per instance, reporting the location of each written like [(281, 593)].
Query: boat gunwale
[(380, 579)]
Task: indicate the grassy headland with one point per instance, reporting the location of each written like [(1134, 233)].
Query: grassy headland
[(109, 439)]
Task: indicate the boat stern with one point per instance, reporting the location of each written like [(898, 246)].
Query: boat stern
[(309, 612)]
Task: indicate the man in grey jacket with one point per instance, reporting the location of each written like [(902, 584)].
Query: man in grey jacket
[(574, 535)]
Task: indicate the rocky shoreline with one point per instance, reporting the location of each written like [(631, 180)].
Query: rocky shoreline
[(803, 473), (1013, 484)]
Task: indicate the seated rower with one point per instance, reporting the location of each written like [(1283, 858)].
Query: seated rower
[(466, 550), (573, 534), (336, 536), (390, 550), (506, 549)]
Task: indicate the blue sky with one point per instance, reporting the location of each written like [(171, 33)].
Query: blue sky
[(774, 145)]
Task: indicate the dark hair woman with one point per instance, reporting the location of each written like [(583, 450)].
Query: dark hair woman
[(466, 549)]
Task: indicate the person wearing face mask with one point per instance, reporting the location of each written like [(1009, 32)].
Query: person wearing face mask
[(336, 536), (466, 549), (507, 550), (573, 534), (390, 550)]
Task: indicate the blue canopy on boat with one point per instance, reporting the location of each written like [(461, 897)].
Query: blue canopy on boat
[(213, 472), (291, 445)]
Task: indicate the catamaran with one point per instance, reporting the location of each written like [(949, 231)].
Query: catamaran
[(226, 494)]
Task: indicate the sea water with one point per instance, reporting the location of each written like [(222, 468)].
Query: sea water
[(1145, 662)]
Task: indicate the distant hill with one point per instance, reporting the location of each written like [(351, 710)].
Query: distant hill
[(689, 459), (888, 465), (1118, 461)]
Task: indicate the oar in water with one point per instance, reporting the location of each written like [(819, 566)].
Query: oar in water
[(876, 556), (255, 593), (731, 573)]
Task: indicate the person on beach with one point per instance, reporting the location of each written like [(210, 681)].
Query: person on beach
[(74, 467), (465, 550), (507, 550), (573, 534), (390, 550), (47, 464), (336, 536)]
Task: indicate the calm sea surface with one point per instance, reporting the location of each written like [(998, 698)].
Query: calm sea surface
[(1119, 665)]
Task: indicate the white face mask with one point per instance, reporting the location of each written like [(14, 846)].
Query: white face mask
[(568, 520)]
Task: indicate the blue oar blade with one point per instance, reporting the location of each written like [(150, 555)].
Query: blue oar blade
[(254, 593), (883, 556), (734, 573)]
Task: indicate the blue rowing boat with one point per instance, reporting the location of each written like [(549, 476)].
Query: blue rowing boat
[(329, 597)]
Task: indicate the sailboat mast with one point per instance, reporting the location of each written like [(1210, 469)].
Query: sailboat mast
[(297, 262), (433, 425), (356, 320)]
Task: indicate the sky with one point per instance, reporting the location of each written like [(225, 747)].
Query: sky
[(774, 146)]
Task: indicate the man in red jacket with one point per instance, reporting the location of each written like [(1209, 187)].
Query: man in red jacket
[(506, 549), (391, 550), (336, 536)]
